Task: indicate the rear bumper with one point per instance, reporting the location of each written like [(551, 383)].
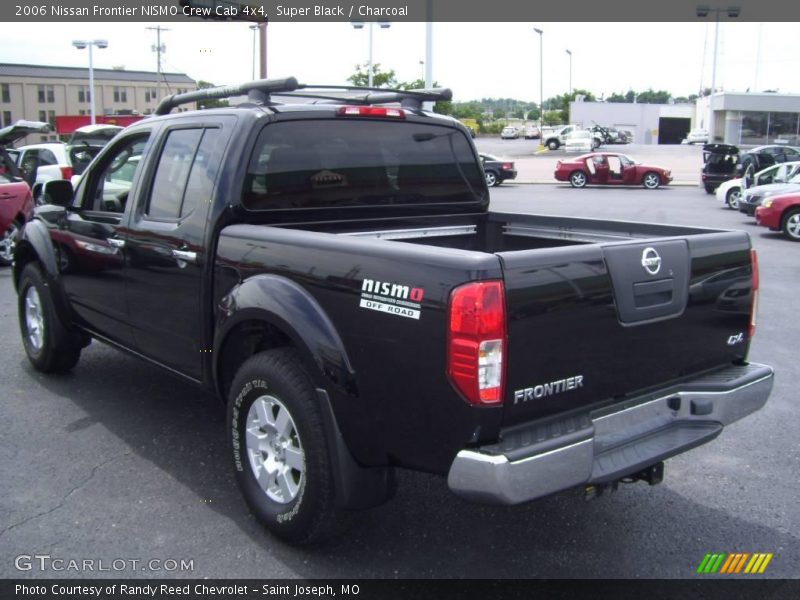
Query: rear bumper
[(609, 443)]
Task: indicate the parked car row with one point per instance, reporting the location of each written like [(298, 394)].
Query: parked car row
[(25, 170), (723, 162)]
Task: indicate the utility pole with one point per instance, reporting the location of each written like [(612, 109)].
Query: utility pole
[(158, 49)]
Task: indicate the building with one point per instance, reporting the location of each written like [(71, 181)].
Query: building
[(744, 118), (39, 93), (649, 123)]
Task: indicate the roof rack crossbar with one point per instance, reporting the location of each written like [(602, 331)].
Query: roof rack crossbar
[(257, 91), (412, 99)]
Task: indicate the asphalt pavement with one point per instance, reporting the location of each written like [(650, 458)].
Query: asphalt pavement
[(120, 461)]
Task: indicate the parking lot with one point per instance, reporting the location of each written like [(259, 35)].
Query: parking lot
[(119, 460)]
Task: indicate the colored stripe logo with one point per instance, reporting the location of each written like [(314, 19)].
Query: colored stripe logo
[(738, 562)]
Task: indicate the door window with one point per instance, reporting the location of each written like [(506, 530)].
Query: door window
[(112, 181), (185, 175)]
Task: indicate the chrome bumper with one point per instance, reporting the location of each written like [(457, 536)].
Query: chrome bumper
[(615, 441)]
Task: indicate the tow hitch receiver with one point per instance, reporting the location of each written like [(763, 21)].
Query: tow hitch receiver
[(654, 474)]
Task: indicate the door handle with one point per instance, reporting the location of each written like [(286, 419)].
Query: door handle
[(116, 242), (185, 255)]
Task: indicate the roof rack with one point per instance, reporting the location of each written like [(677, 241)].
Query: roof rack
[(412, 99), (257, 91)]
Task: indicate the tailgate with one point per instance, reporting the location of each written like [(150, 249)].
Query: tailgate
[(595, 323)]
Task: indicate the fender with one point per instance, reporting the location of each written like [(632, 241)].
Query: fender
[(36, 239), (286, 305)]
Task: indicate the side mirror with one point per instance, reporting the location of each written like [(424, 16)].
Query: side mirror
[(58, 192)]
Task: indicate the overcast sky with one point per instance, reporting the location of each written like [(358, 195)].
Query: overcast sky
[(474, 59)]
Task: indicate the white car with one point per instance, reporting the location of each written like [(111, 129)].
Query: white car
[(697, 136), (532, 132), (53, 160), (730, 192), (509, 133), (580, 141)]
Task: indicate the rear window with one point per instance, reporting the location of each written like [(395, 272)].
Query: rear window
[(348, 162)]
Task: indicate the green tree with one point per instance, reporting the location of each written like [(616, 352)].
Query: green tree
[(360, 78), (211, 103)]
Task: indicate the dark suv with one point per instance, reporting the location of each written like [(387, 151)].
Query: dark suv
[(719, 165)]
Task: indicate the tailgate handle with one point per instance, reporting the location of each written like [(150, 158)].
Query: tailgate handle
[(653, 293)]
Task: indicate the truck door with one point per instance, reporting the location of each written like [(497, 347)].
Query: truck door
[(167, 248), (90, 241)]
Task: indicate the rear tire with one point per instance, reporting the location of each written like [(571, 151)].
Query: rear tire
[(279, 448), (577, 179), (791, 225), (710, 189), (50, 346), (553, 144)]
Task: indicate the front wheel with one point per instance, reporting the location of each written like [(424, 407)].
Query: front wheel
[(578, 179), (280, 454), (50, 347), (733, 197), (492, 180), (791, 225), (553, 144), (8, 242), (651, 180)]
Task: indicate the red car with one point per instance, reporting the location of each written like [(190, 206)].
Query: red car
[(610, 168), (16, 209), (16, 201), (781, 213)]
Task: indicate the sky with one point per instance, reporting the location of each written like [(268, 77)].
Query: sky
[(476, 60)]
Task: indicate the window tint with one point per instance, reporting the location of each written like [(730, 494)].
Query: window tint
[(349, 162), (203, 174), (113, 181), (173, 172)]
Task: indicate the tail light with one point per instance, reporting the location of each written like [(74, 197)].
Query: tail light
[(371, 111), (754, 308), (508, 166), (476, 341), (66, 172)]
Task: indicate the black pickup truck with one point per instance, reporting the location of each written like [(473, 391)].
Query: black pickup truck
[(325, 260)]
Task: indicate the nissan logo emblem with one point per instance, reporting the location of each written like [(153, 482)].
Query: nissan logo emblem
[(651, 261)]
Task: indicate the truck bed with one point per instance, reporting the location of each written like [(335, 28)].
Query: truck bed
[(580, 307)]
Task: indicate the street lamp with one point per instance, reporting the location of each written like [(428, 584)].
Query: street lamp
[(360, 25), (541, 89), (254, 28), (702, 12), (82, 45), (570, 71)]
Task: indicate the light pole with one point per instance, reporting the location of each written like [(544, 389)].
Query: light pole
[(702, 12), (422, 71), (81, 45), (541, 89), (159, 49), (254, 29), (360, 25), (570, 71)]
